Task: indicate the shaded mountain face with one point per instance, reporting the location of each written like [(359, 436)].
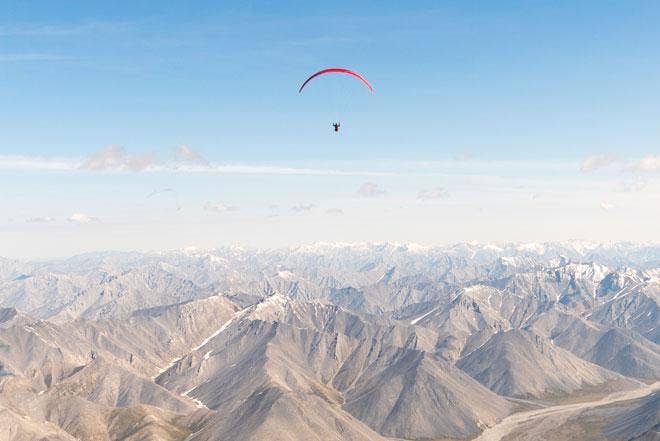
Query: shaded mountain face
[(322, 342), (518, 363)]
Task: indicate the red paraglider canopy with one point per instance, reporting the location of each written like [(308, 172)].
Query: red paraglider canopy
[(337, 70)]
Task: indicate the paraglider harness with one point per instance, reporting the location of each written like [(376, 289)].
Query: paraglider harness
[(336, 126)]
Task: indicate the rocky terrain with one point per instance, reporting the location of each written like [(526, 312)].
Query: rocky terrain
[(333, 341)]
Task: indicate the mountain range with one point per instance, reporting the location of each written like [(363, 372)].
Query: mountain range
[(333, 341)]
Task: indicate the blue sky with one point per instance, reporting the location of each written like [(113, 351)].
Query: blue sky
[(471, 98)]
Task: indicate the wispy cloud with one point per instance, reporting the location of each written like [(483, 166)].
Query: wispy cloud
[(82, 218), (115, 158), (649, 163), (270, 169), (432, 194), (303, 208), (370, 190), (607, 206), (219, 207), (49, 30), (38, 163), (28, 57), (40, 220), (636, 184), (334, 211), (595, 162)]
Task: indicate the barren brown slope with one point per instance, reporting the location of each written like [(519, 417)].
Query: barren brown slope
[(95, 422), (265, 381), (520, 364), (639, 420), (294, 365), (104, 383), (20, 427), (275, 413), (627, 353), (620, 350), (410, 394), (464, 323)]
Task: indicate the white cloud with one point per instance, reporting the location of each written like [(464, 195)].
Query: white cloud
[(432, 194), (269, 169), (633, 185), (40, 220), (649, 163), (113, 157), (370, 190), (37, 163), (219, 207), (303, 208), (82, 218), (596, 162), (334, 211), (607, 206), (116, 159), (110, 157), (186, 154)]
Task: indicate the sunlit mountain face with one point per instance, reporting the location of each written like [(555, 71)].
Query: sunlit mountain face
[(333, 341)]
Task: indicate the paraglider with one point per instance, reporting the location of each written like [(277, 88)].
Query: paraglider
[(339, 70)]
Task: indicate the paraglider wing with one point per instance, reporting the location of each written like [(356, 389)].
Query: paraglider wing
[(337, 70)]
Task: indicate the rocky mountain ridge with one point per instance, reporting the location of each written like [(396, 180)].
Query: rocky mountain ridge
[(327, 341)]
